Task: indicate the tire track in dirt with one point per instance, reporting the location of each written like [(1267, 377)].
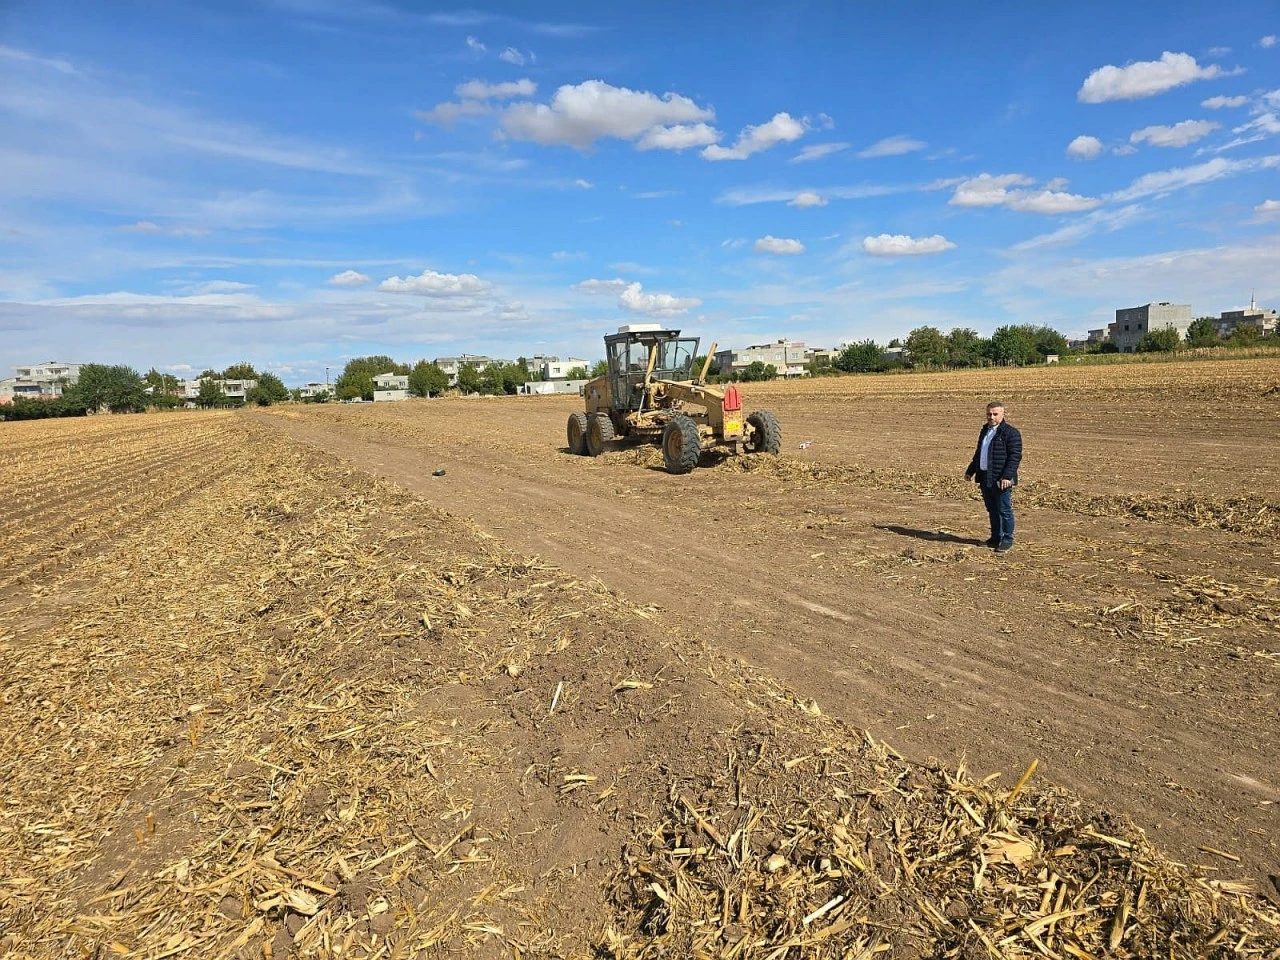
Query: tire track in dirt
[(929, 673)]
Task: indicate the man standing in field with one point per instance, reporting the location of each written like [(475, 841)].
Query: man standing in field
[(995, 467)]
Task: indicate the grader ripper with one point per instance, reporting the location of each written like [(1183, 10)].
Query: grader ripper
[(651, 392)]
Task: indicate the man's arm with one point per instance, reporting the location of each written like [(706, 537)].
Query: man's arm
[(973, 464), (1013, 448)]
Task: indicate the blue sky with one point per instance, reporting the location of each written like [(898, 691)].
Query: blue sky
[(295, 182)]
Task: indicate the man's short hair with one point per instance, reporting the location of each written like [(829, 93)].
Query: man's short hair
[(995, 403)]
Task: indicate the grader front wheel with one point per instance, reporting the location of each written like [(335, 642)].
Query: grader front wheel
[(681, 445), (577, 432), (766, 433), (599, 432)]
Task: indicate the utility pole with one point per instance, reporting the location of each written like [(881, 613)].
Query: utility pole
[(326, 379)]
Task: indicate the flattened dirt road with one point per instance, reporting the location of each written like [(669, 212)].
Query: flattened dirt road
[(1137, 660)]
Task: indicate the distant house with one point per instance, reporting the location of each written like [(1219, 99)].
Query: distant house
[(1264, 321), (548, 387), (788, 357), (451, 365), (39, 380), (390, 386), (313, 389), (231, 389), (1134, 323), (554, 369)]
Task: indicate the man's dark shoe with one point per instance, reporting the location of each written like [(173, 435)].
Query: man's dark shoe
[(1004, 546), (992, 542)]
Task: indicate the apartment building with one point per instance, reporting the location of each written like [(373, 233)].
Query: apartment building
[(39, 380), (787, 356), (1134, 323), (1264, 321), (390, 386)]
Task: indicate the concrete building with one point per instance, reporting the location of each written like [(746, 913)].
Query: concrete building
[(231, 389), (787, 356), (451, 365), (314, 389), (390, 386), (549, 387), (554, 369), (1097, 336), (1134, 323), (39, 380), (1264, 321)]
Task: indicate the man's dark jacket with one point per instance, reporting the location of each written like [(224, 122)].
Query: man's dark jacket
[(1003, 457)]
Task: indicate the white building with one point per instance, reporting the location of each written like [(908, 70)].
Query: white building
[(788, 357), (548, 387), (39, 380), (1264, 321), (313, 389), (390, 386), (1134, 323), (554, 369), (451, 365), (231, 389)]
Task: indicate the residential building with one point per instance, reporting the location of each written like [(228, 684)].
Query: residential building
[(390, 386), (314, 389), (1264, 321), (547, 387), (451, 365), (788, 357), (554, 369), (231, 389), (1134, 323), (39, 380), (1097, 336)]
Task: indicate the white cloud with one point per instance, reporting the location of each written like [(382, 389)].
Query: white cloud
[(476, 45), (445, 114), (513, 56), (901, 245), (348, 278), (1268, 41), (892, 147), (1124, 150), (432, 284), (986, 190), (1268, 208), (1049, 202), (1108, 220), (584, 184), (680, 136), (778, 245), (1057, 183), (655, 304), (143, 226), (1166, 181), (479, 90), (783, 128), (1177, 135), (601, 286), (1218, 103), (1146, 78), (733, 243), (147, 226), (1084, 147), (817, 151), (564, 256), (1266, 123), (580, 115), (1219, 51), (807, 198)]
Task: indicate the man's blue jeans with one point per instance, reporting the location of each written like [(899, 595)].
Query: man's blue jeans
[(999, 505)]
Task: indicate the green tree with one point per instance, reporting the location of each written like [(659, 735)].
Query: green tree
[(599, 368), (115, 388), (427, 380), (240, 371), (1164, 340), (469, 378), (357, 385), (1244, 335), (757, 371), (1013, 345), (576, 373), (210, 394), (926, 347), (863, 357), (211, 374), (712, 371), (1203, 332), (161, 383), (270, 389), (964, 347), (1048, 340)]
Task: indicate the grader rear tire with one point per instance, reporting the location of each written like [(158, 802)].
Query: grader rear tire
[(599, 432), (681, 445), (578, 433), (766, 433)]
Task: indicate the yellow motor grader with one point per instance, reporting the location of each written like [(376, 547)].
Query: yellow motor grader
[(652, 392)]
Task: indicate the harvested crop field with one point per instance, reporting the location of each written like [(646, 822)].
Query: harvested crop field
[(270, 688)]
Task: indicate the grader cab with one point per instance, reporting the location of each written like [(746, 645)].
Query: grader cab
[(651, 392)]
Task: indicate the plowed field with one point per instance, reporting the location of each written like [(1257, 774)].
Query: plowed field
[(270, 688)]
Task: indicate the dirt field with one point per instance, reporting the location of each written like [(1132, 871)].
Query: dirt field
[(272, 688)]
